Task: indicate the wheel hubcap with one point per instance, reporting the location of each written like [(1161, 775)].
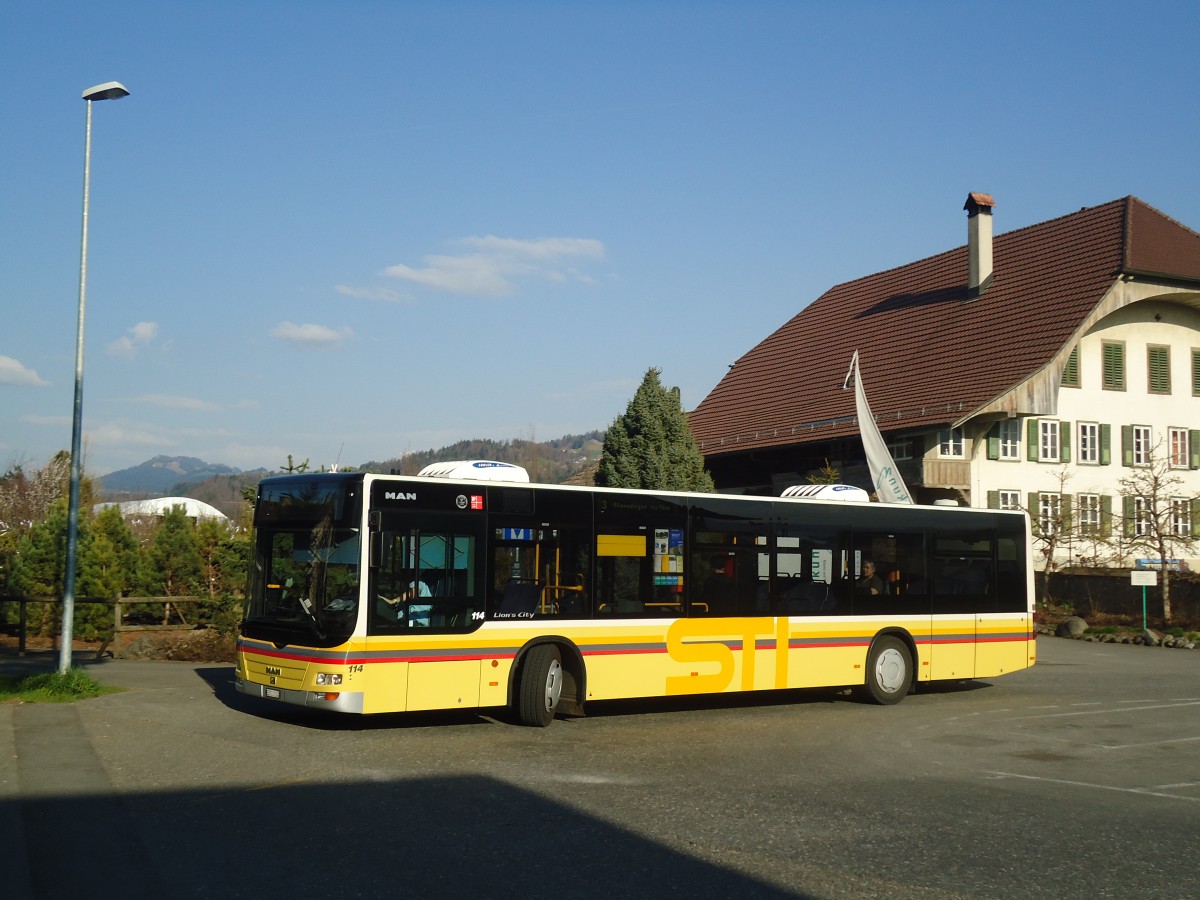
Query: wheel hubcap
[(553, 684), (889, 670)]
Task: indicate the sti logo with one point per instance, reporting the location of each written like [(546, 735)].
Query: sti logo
[(399, 495)]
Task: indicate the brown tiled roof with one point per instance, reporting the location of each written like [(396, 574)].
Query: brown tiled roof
[(928, 356)]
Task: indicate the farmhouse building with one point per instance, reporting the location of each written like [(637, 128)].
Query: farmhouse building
[(1040, 368)]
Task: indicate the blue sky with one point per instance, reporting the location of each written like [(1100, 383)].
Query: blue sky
[(349, 231)]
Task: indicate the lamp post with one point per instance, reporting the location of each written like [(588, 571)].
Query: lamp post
[(110, 90)]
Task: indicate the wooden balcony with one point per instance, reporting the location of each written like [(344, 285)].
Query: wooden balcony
[(946, 473)]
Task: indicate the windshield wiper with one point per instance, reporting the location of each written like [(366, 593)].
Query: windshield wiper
[(306, 605)]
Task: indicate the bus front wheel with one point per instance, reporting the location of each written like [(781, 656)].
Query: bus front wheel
[(541, 686), (889, 671)]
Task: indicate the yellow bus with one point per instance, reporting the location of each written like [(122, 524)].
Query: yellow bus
[(379, 594)]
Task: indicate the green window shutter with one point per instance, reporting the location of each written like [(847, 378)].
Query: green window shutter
[(1114, 367), (1064, 442), (1065, 514), (1105, 445), (993, 442), (1070, 375), (1127, 513), (1196, 517), (1127, 445), (1031, 439), (993, 499), (1035, 512), (1158, 370), (1105, 515), (1194, 449), (1196, 373)]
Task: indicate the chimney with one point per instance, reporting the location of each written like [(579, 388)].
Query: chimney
[(979, 243)]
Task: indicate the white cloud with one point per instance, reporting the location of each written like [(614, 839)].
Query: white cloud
[(113, 434), (387, 295), (144, 332), (14, 372), (544, 248), (140, 335), (497, 264), (170, 402), (312, 335)]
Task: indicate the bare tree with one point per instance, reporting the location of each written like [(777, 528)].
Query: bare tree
[(1050, 518), (1157, 515)]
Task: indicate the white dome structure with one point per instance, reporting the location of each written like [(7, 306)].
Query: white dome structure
[(193, 509)]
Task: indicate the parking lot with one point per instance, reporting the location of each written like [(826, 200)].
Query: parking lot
[(1078, 778)]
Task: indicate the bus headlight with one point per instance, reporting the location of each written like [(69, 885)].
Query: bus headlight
[(328, 678)]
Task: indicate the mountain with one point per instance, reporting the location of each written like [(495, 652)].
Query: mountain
[(157, 476), (549, 462), (569, 458)]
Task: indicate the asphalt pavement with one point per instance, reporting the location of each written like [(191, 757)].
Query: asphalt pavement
[(1077, 778)]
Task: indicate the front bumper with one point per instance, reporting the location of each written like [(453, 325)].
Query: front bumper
[(342, 701)]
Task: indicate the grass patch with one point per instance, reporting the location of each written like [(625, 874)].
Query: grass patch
[(53, 687)]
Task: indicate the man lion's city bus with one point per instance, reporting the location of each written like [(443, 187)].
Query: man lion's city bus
[(379, 594)]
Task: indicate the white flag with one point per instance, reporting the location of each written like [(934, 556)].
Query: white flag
[(889, 486)]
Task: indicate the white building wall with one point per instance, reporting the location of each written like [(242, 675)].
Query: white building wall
[(1137, 326)]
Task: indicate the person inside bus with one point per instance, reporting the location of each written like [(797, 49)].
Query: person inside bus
[(719, 591), (395, 609), (869, 583)]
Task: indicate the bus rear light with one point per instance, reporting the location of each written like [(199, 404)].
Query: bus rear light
[(328, 678), (330, 696)]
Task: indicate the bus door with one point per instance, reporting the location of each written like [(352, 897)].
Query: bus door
[(426, 579), (964, 593)]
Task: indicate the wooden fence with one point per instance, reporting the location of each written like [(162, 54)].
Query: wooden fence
[(172, 607)]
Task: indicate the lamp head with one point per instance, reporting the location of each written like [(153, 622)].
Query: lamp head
[(110, 90)]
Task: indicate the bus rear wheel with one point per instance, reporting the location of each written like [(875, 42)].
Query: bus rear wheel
[(541, 686), (889, 671)]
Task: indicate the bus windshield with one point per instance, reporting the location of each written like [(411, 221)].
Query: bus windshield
[(305, 585)]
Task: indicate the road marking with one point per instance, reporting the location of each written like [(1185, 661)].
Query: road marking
[(1094, 712), (1148, 743), (1145, 792)]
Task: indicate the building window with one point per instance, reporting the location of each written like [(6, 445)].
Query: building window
[(1114, 366), (1181, 517), (1048, 434), (1180, 448), (1009, 499), (1089, 443), (1009, 434), (1049, 513), (1141, 517), (1141, 445), (950, 443), (1048, 440), (901, 450), (1089, 514), (1135, 445), (1070, 375), (1158, 369)]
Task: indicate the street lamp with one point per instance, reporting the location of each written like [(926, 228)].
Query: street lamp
[(110, 90)]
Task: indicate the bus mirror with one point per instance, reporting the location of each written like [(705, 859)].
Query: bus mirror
[(376, 549)]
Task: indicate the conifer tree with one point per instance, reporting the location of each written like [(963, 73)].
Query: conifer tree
[(108, 560), (651, 446), (39, 564), (174, 567)]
